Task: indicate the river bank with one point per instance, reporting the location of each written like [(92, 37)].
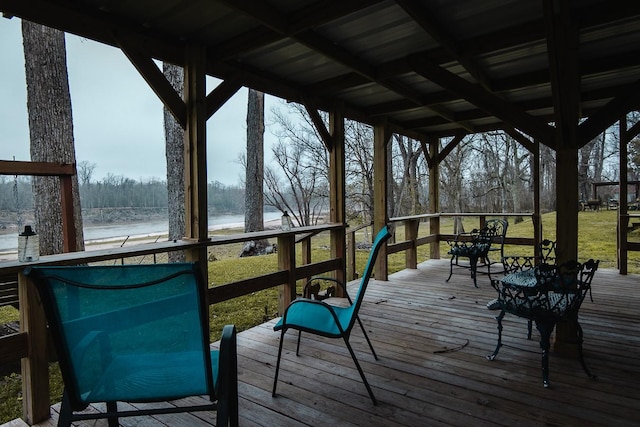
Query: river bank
[(147, 229)]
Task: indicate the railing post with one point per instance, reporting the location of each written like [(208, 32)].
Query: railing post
[(411, 234), (434, 229), (306, 255), (351, 256), (287, 262), (35, 367)]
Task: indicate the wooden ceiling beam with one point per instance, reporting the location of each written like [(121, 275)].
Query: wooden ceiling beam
[(528, 144), (221, 94), (457, 139), (311, 16), (484, 100), (321, 45), (154, 78), (424, 17), (627, 100), (319, 124)]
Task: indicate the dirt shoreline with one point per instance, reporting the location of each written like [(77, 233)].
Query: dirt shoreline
[(118, 241)]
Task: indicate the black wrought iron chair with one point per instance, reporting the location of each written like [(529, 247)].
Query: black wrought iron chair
[(476, 246), (554, 295), (546, 253), (317, 317), (136, 333)]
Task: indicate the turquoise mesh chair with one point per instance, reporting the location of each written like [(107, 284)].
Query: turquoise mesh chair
[(136, 333), (318, 317)]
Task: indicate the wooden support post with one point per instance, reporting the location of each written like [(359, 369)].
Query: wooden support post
[(411, 234), (287, 262), (623, 214), (351, 256), (306, 256), (35, 367), (566, 342), (536, 218), (196, 225), (69, 243), (434, 197), (381, 137), (337, 191)]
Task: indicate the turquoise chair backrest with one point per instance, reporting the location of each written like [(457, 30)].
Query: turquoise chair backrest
[(381, 237), (135, 314)]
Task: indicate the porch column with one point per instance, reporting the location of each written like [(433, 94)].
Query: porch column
[(537, 219), (434, 197), (196, 225), (623, 213), (381, 137), (567, 203), (337, 189)]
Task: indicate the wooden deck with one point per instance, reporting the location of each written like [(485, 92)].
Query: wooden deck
[(432, 338)]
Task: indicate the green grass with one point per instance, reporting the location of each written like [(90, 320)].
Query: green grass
[(596, 240)]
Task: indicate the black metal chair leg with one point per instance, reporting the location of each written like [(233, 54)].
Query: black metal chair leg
[(474, 269), (545, 329), (112, 410), (298, 345), (451, 268), (361, 372), (583, 362), (375, 356), (275, 379), (64, 419), (529, 329), (495, 352)]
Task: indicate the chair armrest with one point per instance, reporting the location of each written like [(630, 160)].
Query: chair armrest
[(310, 282), (227, 385), (320, 304)]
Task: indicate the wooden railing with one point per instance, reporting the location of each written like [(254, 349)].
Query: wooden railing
[(413, 238), (28, 344)]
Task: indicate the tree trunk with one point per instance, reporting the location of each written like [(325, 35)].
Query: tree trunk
[(254, 194), (174, 141), (50, 130)]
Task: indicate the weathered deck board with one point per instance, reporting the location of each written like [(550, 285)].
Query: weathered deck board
[(432, 338)]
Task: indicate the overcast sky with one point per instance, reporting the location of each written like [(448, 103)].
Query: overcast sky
[(118, 122)]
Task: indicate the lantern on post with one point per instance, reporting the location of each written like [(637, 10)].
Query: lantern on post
[(28, 245), (286, 221)]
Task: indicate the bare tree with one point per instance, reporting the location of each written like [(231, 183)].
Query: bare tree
[(296, 186), (85, 171), (50, 130), (299, 184), (407, 201), (359, 170), (174, 143)]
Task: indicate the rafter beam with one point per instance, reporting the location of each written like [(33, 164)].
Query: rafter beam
[(484, 100), (421, 14), (221, 94), (627, 100), (154, 78), (457, 139), (529, 145), (319, 124)]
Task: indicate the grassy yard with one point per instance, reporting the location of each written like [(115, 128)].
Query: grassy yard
[(596, 240)]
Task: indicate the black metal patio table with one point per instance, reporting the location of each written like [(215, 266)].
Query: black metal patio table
[(546, 294)]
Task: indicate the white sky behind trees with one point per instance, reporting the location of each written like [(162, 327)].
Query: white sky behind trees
[(118, 120)]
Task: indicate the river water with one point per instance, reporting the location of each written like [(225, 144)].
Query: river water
[(111, 232)]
